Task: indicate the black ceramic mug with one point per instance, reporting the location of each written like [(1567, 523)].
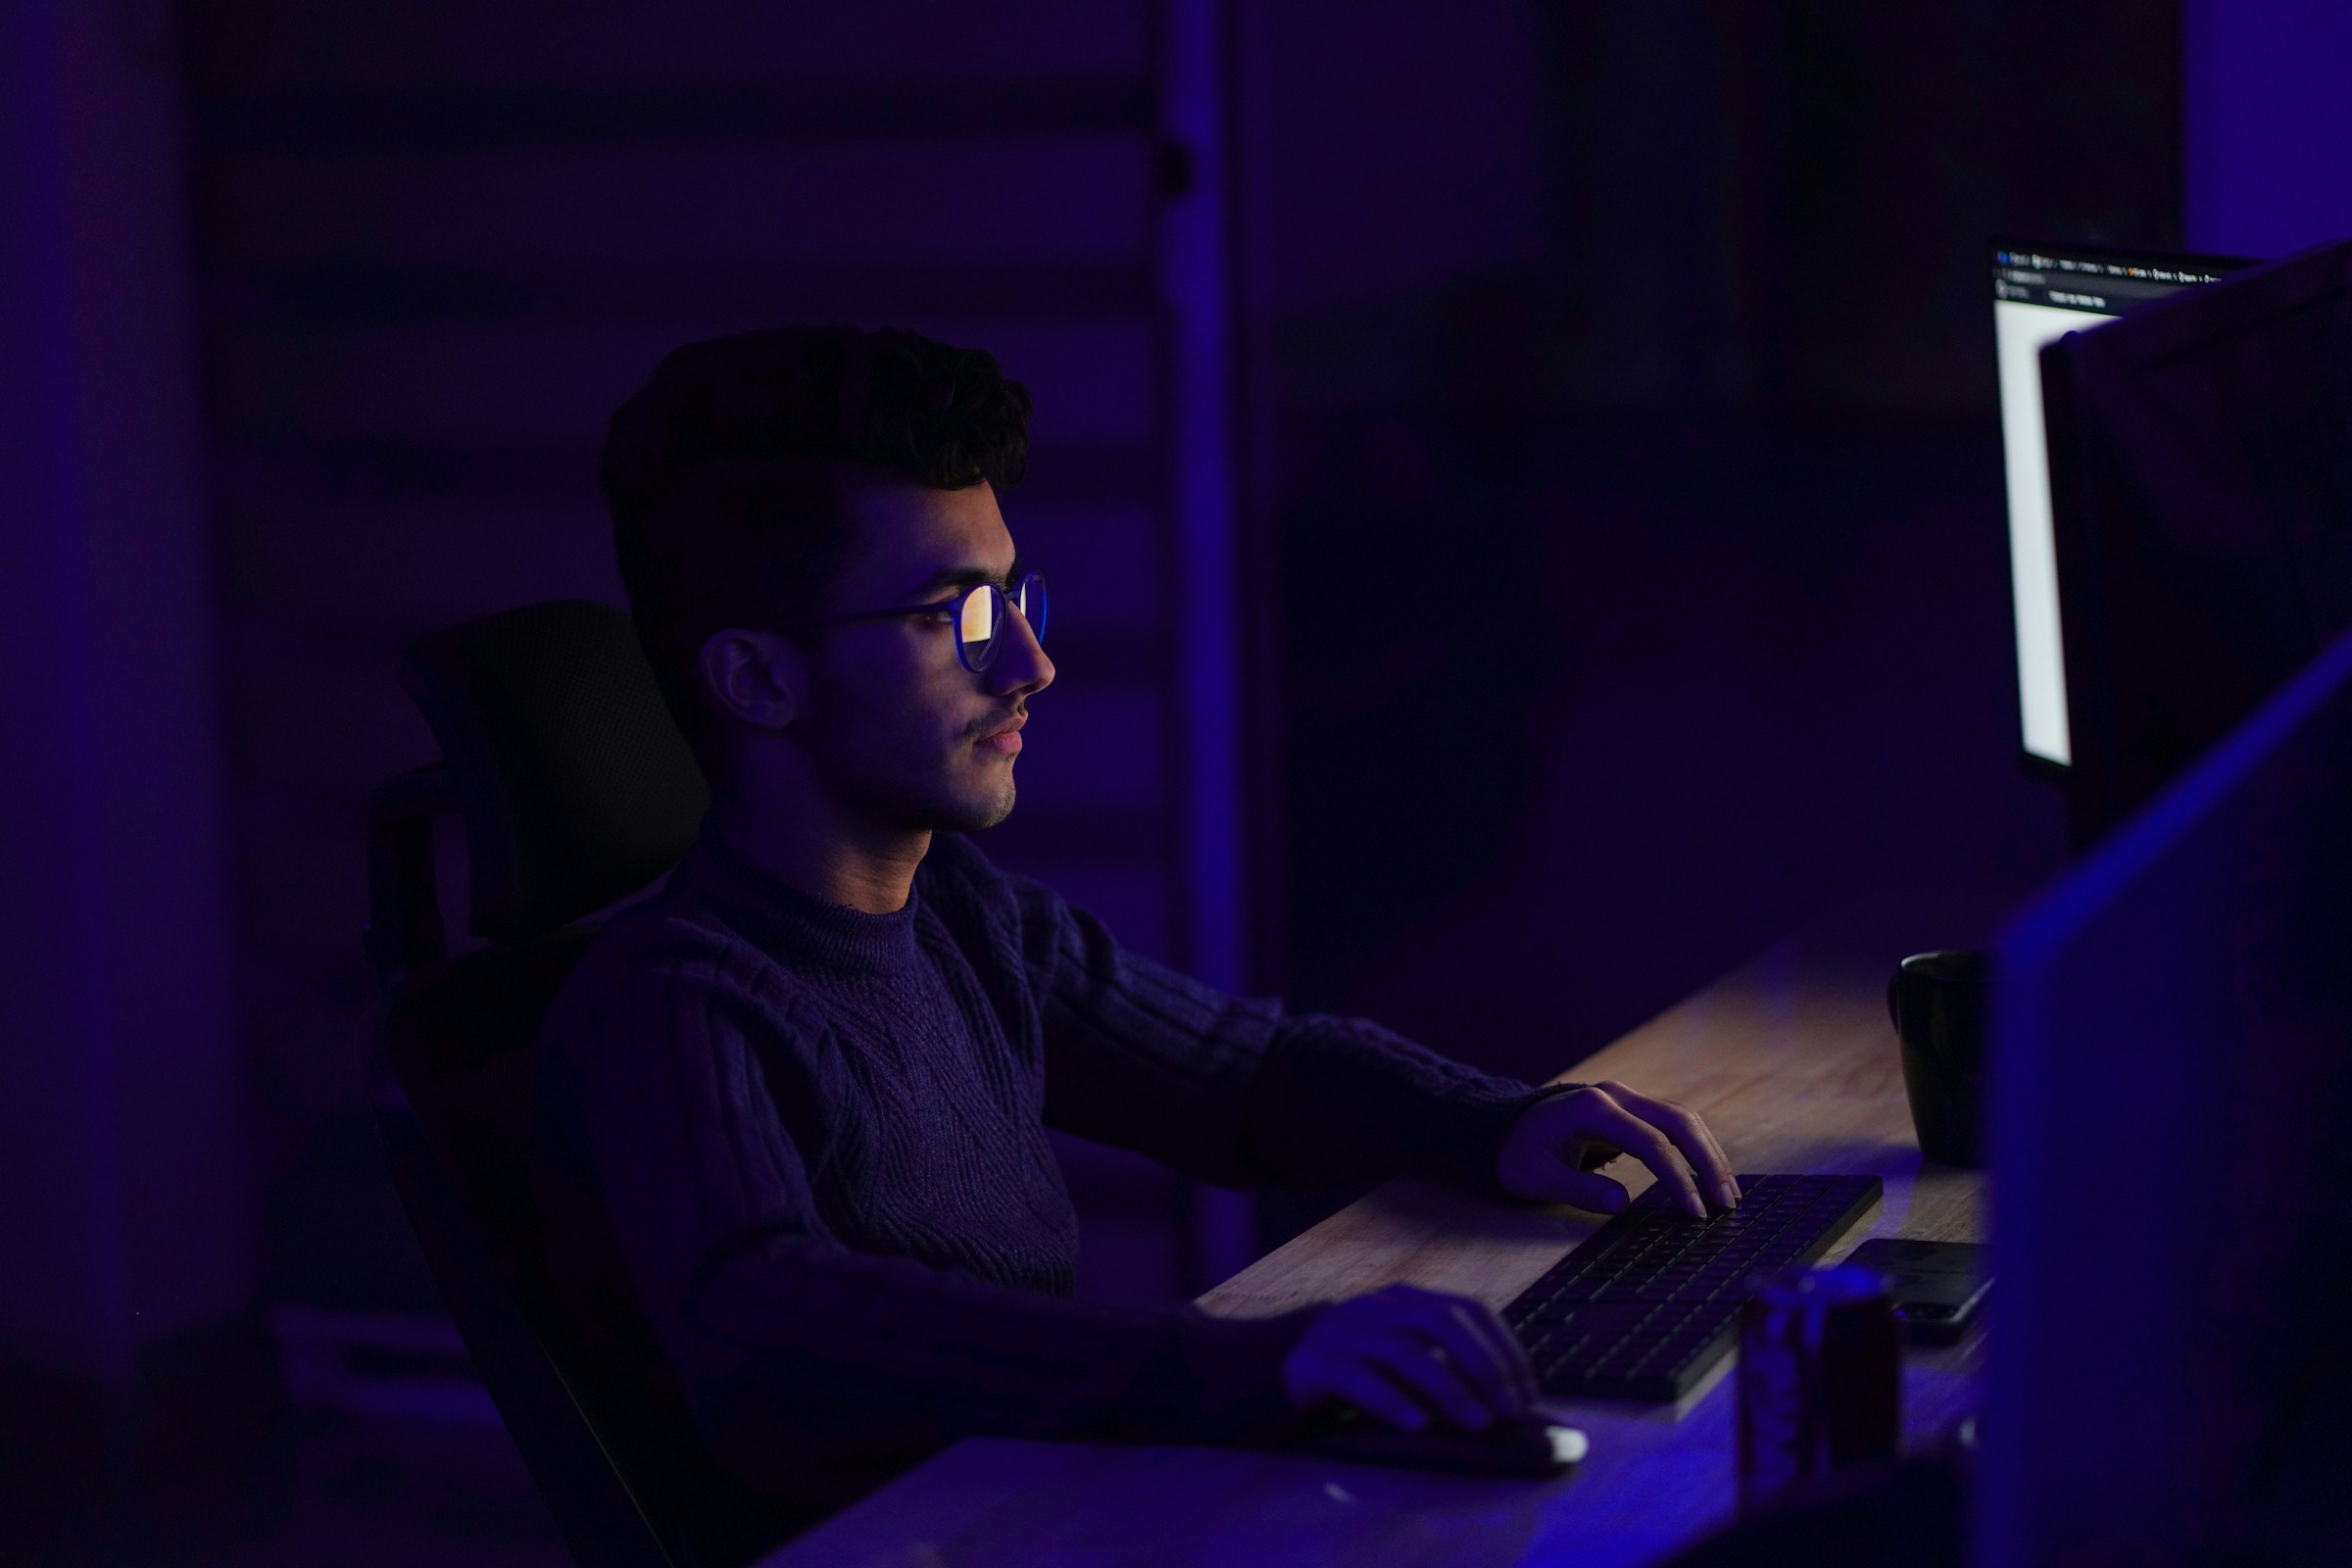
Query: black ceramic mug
[(1938, 1002)]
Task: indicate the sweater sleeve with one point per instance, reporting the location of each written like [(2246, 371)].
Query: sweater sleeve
[(1236, 1090), (656, 1072)]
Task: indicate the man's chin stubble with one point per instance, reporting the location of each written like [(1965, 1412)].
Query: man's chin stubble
[(956, 813), (991, 815)]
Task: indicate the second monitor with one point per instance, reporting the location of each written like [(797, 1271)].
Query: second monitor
[(2042, 290)]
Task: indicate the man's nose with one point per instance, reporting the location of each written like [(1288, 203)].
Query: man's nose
[(1022, 668)]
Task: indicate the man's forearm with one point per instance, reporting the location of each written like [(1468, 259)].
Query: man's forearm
[(1343, 1100)]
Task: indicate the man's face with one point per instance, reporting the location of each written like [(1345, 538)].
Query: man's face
[(896, 728)]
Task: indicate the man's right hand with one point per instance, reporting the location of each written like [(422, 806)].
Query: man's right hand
[(1402, 1355)]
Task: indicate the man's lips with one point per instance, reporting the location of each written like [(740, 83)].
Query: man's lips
[(1005, 737)]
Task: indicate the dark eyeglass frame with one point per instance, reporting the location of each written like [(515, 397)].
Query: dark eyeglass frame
[(1031, 588)]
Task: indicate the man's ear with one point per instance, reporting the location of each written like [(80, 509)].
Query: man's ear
[(757, 676)]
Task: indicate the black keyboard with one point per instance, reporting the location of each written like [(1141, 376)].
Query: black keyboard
[(1646, 1306)]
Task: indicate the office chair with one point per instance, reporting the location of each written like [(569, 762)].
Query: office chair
[(575, 790)]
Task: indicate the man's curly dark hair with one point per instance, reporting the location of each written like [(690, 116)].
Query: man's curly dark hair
[(727, 474)]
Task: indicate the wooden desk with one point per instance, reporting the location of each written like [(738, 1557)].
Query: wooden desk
[(1791, 1060)]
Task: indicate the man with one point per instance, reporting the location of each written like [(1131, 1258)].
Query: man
[(804, 1085)]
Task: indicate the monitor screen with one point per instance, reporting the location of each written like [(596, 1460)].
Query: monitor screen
[(2042, 291)]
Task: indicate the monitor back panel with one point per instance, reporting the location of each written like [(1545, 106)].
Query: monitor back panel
[(2174, 1236), (2200, 459)]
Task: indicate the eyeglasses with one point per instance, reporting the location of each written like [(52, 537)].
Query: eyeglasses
[(978, 614)]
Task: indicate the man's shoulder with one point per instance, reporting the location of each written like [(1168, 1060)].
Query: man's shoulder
[(670, 946), (660, 929)]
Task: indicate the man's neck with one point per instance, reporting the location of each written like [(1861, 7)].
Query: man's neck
[(870, 870)]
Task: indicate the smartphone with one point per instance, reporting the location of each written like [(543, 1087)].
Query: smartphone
[(1940, 1286)]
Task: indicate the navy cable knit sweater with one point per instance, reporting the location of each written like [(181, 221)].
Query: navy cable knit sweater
[(817, 1139)]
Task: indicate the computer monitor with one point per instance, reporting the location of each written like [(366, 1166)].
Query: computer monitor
[(2169, 1362), (2200, 462), (2042, 290)]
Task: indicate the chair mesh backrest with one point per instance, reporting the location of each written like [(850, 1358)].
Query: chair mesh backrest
[(578, 789)]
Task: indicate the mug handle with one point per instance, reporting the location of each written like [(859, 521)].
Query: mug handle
[(1895, 1014)]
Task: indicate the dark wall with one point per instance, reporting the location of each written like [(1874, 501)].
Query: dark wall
[(1637, 533), (2267, 147)]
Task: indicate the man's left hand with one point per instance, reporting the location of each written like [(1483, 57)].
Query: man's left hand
[(1551, 1152)]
